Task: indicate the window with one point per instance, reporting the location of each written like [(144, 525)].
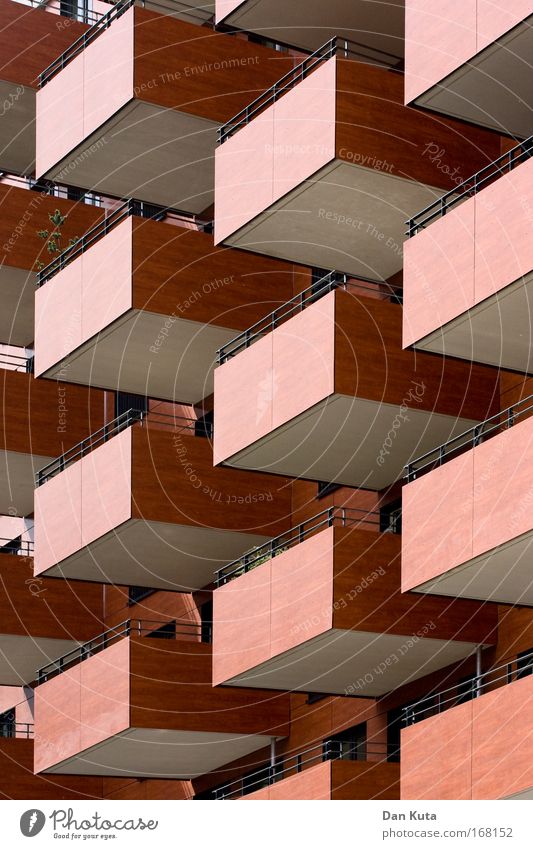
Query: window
[(394, 727), (466, 689), (326, 488), (206, 620), (390, 517), (204, 425), (7, 723), (125, 401), (315, 697), (165, 632), (12, 547), (349, 745), (136, 594)]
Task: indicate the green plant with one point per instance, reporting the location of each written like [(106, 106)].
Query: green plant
[(53, 238)]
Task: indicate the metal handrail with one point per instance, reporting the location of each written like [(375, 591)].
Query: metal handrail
[(122, 422), (332, 280), (468, 439), (83, 41), (471, 186), (18, 362), (128, 628), (16, 730), (336, 46), (332, 516), (87, 16), (23, 547), (473, 687), (129, 207), (329, 750)]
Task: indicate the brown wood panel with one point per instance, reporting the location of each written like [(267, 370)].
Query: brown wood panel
[(167, 677), (18, 781), (370, 102), (382, 608), (28, 211), (31, 39), (179, 272), (370, 363), (364, 780), (164, 487), (158, 605), (200, 71), (33, 420), (148, 788), (47, 607)]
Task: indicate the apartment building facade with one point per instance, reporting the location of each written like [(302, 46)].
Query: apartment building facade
[(258, 533)]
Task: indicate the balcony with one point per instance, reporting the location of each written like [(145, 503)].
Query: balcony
[(467, 527), (324, 772), (469, 267), (169, 86), (310, 172), (30, 40), (194, 11), (470, 60), (472, 741), (176, 299), (59, 414), (330, 395), (319, 609), (121, 705), (139, 504), (41, 618), (378, 30), (24, 212)]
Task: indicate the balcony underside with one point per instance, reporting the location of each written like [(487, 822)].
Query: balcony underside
[(144, 151), (307, 224), (496, 331), (502, 575), (21, 656), (160, 555), (194, 12), (160, 753), (354, 663), (17, 128), (17, 288), (119, 358), (310, 24), (493, 89), (340, 440), (17, 481)]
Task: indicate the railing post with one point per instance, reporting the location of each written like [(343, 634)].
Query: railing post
[(510, 417)]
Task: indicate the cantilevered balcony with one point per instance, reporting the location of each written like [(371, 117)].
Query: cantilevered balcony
[(29, 40), (121, 705), (148, 303), (378, 29), (41, 618), (471, 60), (169, 86), (330, 395), (468, 272), (467, 525), (24, 213), (311, 172), (139, 503), (328, 771), (38, 418), (319, 609), (472, 740)]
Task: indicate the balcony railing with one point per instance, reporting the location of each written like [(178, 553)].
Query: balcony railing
[(21, 730), (131, 417), (470, 187), (332, 280), (83, 41), (329, 750), (336, 46), (167, 629), (16, 545), (517, 667), (72, 9), (469, 438), (345, 517), (108, 223), (17, 362)]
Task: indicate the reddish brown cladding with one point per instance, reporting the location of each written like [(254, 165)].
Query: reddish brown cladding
[(17, 780), (155, 606)]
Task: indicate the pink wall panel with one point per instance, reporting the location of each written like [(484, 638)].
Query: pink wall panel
[(438, 273), (107, 283), (225, 7), (241, 631), (106, 487), (57, 719), (58, 304), (495, 17), (105, 710), (59, 111), (280, 148), (431, 544), (58, 518)]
